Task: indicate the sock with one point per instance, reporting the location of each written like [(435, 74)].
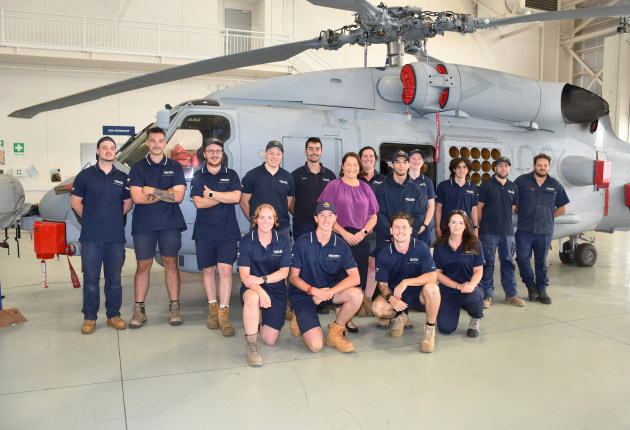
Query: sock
[(224, 306), (212, 301), (430, 324)]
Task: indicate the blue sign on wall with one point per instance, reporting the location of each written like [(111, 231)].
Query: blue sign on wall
[(119, 130)]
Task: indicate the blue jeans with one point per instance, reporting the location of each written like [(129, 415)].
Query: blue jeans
[(506, 247), (539, 244), (112, 257)]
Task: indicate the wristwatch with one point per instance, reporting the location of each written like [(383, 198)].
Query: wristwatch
[(389, 296), (365, 232), (264, 278), (425, 226), (211, 194), (309, 291), (475, 226)]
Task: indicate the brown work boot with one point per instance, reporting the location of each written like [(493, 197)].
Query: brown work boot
[(367, 305), (338, 337), (213, 316), (224, 322), (487, 302), (383, 322), (295, 329), (516, 301), (251, 350), (174, 317), (428, 341), (117, 322), (398, 325), (88, 326), (139, 316)]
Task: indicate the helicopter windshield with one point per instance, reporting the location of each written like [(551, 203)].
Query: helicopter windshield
[(135, 150)]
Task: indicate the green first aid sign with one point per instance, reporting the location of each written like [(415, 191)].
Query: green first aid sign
[(18, 149)]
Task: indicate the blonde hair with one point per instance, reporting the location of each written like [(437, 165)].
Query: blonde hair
[(257, 214)]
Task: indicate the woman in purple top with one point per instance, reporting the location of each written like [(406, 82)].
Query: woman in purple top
[(356, 207)]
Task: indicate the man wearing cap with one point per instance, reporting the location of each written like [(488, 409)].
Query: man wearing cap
[(157, 186), (319, 260), (498, 197), (541, 199), (456, 193), (269, 183), (215, 191), (417, 170), (310, 180), (100, 196)]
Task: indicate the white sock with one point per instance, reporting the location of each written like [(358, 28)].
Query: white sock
[(224, 306), (212, 301)]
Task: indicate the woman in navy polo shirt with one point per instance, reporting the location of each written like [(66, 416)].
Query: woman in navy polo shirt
[(459, 262), (356, 214), (264, 258)]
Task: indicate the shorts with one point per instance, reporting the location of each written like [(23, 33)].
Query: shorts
[(210, 252), (411, 296), (169, 242), (274, 316), (305, 309)]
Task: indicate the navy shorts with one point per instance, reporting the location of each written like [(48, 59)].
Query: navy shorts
[(274, 316), (169, 241), (305, 309), (411, 296), (210, 252)]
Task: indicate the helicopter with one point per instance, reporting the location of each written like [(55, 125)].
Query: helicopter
[(445, 110)]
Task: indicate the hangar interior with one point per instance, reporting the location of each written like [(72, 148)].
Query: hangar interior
[(562, 366)]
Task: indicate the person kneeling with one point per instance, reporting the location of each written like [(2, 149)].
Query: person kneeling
[(407, 265)]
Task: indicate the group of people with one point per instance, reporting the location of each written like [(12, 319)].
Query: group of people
[(362, 229)]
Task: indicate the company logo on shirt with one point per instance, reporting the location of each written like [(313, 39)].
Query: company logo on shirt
[(325, 179), (283, 182), (510, 191), (422, 185), (277, 251), (470, 192), (334, 256), (168, 172), (409, 199), (377, 182), (224, 180), (117, 182), (550, 189), (413, 260)]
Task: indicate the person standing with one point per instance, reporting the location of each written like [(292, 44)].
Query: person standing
[(100, 197), (417, 170), (456, 193), (215, 191), (310, 180), (269, 183), (498, 197), (157, 187), (541, 199)]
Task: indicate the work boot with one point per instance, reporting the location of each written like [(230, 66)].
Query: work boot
[(174, 317), (224, 322), (139, 316), (338, 338), (428, 341), (544, 298), (398, 325), (473, 327), (532, 292), (88, 326), (383, 322), (213, 316), (486, 302), (251, 350), (516, 301), (295, 329), (117, 322), (367, 305)]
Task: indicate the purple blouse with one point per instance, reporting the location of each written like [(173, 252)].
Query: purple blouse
[(354, 205)]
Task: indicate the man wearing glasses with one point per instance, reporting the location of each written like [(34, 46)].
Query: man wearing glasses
[(215, 191)]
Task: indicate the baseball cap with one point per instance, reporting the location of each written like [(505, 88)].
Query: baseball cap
[(325, 206), (274, 144)]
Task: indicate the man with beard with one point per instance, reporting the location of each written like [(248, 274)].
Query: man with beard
[(541, 199), (498, 197), (215, 191)]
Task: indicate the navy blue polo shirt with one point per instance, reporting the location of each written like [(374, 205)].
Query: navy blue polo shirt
[(537, 204), (103, 196), (497, 199), (159, 215), (219, 221), (452, 197), (426, 186), (457, 265), (319, 265), (376, 181), (271, 189), (308, 187), (392, 266), (264, 261)]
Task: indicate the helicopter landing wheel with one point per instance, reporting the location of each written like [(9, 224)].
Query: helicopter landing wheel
[(565, 254), (585, 255)]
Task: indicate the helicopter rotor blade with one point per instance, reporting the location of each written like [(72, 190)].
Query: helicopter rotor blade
[(212, 65), (359, 6), (591, 12)]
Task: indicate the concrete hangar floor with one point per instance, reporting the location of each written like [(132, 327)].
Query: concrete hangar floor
[(559, 366)]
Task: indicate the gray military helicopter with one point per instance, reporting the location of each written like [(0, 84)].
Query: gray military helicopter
[(446, 110)]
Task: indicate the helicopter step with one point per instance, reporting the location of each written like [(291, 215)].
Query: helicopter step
[(580, 254)]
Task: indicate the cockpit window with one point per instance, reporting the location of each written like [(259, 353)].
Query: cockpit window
[(135, 150)]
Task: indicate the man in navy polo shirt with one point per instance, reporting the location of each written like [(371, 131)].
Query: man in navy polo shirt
[(456, 193), (407, 279), (310, 180), (101, 198), (157, 186), (498, 197), (215, 191), (269, 183), (417, 170), (541, 199), (318, 261)]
